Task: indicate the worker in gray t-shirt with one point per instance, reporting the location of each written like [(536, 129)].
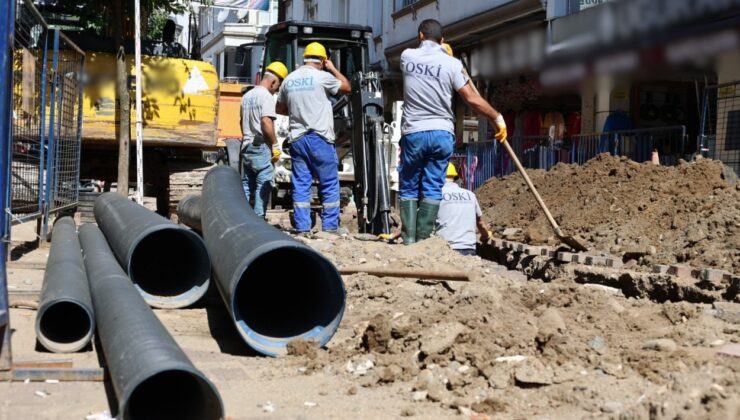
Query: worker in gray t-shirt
[(259, 143), (304, 97), (430, 78), (459, 215)]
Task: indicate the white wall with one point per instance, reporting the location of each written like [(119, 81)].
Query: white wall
[(396, 31)]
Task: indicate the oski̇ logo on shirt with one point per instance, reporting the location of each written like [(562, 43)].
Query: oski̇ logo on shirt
[(422, 69), (305, 83)]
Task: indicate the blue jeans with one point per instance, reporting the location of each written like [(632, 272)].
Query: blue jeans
[(258, 172), (312, 156), (424, 159)]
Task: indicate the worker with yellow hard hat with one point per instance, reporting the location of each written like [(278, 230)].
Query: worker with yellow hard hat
[(459, 216), (304, 98), (431, 76), (259, 143)]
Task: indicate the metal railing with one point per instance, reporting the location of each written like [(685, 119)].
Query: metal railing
[(719, 133), (478, 162), (46, 119)]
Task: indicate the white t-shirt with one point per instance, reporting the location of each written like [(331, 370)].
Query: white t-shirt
[(306, 93), (430, 78), (458, 213), (256, 103)]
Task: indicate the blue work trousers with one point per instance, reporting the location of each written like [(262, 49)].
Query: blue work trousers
[(258, 172), (313, 157), (424, 159)]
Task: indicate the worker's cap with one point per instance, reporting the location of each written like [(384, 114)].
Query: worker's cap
[(451, 171), (316, 50), (447, 48), (278, 69)]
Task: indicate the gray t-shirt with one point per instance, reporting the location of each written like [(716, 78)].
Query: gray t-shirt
[(256, 103), (306, 93), (456, 220), (430, 78)]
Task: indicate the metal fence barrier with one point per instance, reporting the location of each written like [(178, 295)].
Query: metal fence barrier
[(719, 134), (46, 119), (478, 162), (28, 119)]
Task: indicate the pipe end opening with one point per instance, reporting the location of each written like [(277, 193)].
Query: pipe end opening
[(288, 293), (174, 394), (171, 268), (65, 327)]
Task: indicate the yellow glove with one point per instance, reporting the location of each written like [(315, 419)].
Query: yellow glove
[(487, 236), (275, 154), (500, 128), (385, 236)]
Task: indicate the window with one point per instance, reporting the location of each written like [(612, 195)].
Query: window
[(400, 4)]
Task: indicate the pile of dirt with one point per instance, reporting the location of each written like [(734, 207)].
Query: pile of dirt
[(689, 213), (505, 346)]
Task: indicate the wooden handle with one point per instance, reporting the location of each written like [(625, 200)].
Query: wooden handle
[(536, 194), (407, 273), (521, 170)]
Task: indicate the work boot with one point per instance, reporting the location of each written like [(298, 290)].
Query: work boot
[(408, 221), (426, 218)]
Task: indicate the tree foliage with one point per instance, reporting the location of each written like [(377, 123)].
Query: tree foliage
[(99, 16)]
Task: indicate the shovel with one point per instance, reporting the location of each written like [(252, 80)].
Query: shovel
[(574, 242)]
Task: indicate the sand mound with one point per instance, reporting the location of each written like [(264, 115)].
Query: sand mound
[(689, 213)]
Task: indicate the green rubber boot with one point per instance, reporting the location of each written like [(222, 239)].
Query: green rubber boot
[(426, 218), (408, 221)]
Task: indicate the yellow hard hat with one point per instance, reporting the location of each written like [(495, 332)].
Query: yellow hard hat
[(451, 171), (278, 69), (315, 49), (447, 48)]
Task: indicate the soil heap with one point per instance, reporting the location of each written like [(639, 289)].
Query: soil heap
[(689, 213)]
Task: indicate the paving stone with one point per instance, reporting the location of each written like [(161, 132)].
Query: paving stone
[(565, 256), (534, 250), (595, 260), (711, 275), (661, 269), (681, 270), (614, 263)]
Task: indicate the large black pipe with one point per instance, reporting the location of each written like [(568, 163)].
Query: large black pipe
[(151, 376), (65, 320), (188, 212), (276, 288), (168, 263)]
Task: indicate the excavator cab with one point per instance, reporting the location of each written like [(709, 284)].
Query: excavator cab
[(358, 117)]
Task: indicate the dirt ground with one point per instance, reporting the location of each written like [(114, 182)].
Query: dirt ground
[(689, 213), (499, 345)]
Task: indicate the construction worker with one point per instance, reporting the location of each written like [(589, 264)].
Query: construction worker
[(259, 143), (430, 77), (304, 97), (459, 215)]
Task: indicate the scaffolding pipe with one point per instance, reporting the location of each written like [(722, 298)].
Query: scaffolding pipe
[(167, 263), (151, 376), (276, 288), (65, 320)]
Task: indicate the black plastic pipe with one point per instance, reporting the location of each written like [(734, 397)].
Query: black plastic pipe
[(167, 262), (188, 212), (151, 376), (64, 319), (276, 288)]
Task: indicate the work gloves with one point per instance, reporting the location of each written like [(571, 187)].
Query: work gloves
[(500, 128), (275, 154), (487, 235)]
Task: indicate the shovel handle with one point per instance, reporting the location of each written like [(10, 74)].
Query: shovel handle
[(536, 194), (521, 170)]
